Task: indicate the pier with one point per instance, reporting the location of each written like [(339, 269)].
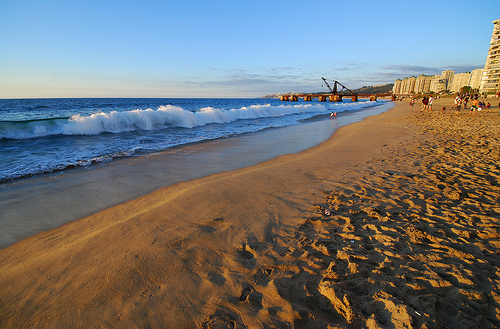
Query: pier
[(324, 97), (333, 96)]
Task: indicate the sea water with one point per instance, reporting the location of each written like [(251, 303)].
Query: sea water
[(39, 136)]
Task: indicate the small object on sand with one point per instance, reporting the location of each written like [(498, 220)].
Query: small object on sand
[(327, 212), (352, 241), (417, 313)]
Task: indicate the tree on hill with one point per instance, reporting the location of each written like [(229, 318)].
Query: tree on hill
[(381, 89)]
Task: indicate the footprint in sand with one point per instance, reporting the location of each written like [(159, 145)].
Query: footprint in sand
[(252, 297), (246, 258), (245, 293), (216, 278), (262, 276), (223, 318)]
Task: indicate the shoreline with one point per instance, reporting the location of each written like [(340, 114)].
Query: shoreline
[(402, 245), (92, 162), (94, 189)]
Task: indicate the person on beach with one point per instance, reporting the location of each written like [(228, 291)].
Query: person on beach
[(429, 104), (457, 102), (459, 106), (412, 102), (425, 102), (333, 115), (474, 106), (466, 99)]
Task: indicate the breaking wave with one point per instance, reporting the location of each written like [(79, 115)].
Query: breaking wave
[(148, 119)]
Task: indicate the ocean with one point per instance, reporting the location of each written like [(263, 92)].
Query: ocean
[(40, 136)]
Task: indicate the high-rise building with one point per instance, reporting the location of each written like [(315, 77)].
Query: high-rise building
[(460, 80), (407, 86), (404, 86), (411, 85), (438, 84), (447, 76), (491, 74), (396, 90), (475, 78), (419, 84), (423, 84)]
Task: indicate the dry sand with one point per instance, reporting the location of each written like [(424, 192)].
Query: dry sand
[(391, 223)]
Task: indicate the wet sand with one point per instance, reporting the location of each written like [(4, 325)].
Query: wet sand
[(391, 223)]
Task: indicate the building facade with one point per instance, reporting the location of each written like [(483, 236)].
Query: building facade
[(438, 84), (475, 78), (423, 84), (446, 81), (447, 76), (460, 80), (396, 89), (491, 75)]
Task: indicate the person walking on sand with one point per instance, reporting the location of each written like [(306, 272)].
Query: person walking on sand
[(425, 102), (429, 105)]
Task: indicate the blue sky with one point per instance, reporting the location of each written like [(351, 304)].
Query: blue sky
[(163, 48)]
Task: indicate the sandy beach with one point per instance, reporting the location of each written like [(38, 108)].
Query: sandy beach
[(393, 222)]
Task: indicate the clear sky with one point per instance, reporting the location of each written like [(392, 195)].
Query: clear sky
[(230, 48)]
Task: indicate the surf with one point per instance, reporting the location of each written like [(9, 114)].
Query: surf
[(149, 119)]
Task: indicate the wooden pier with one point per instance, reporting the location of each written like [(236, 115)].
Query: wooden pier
[(322, 97), (335, 94)]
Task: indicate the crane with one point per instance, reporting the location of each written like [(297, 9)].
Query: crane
[(339, 93), (326, 82)]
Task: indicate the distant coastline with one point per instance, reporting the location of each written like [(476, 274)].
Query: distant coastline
[(366, 90)]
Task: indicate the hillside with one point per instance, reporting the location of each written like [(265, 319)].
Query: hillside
[(380, 89)]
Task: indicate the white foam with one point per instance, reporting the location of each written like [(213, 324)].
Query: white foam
[(165, 116)]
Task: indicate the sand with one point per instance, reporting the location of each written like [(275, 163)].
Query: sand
[(391, 223)]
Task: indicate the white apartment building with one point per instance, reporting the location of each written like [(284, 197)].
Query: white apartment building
[(396, 89), (410, 88), (459, 80), (475, 78), (491, 75), (404, 86), (447, 76), (437, 83), (423, 84)]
